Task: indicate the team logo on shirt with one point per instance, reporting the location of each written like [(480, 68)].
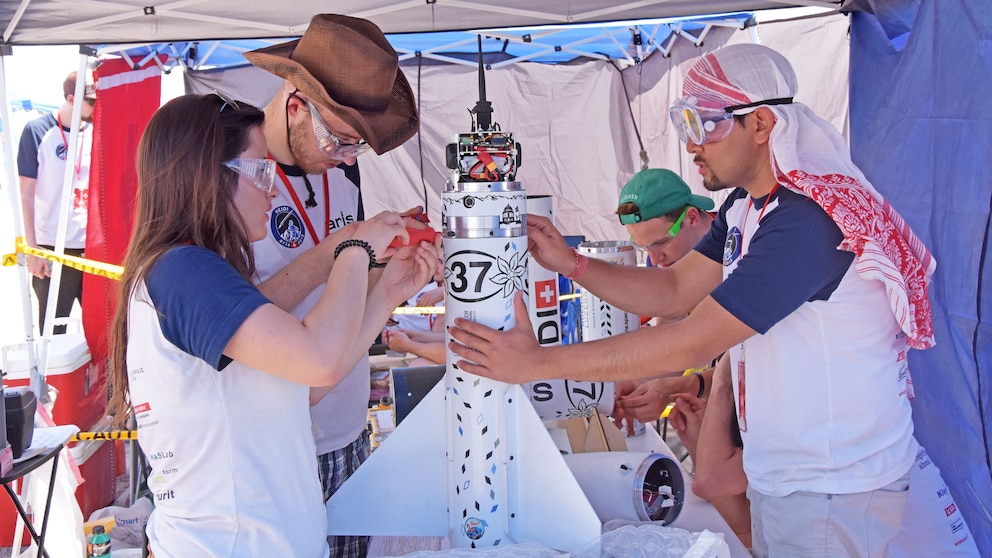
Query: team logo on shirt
[(61, 151), (287, 226), (732, 247)]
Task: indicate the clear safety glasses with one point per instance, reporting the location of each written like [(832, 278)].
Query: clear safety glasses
[(700, 125), (330, 145), (261, 172)]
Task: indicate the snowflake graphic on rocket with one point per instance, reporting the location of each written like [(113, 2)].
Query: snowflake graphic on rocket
[(512, 273)]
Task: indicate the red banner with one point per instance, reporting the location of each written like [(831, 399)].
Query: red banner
[(126, 100)]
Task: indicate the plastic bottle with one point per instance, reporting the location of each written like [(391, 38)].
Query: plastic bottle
[(98, 545)]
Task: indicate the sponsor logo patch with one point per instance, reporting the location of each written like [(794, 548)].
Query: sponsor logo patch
[(732, 247), (287, 226)]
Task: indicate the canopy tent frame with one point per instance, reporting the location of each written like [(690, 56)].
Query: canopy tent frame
[(133, 21)]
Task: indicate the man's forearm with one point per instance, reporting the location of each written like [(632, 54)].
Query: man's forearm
[(719, 471), (290, 285), (648, 291), (28, 186), (630, 356)]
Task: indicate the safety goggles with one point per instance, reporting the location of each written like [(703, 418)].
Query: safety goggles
[(330, 145), (700, 125), (260, 172), (673, 231)]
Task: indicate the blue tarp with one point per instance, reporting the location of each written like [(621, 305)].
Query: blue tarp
[(921, 130)]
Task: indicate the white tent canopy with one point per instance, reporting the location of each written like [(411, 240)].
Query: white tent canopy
[(136, 21)]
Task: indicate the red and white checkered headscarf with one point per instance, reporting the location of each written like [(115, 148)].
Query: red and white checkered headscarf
[(810, 157)]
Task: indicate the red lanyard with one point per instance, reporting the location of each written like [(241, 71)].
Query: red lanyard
[(303, 212), (750, 203), (78, 165)]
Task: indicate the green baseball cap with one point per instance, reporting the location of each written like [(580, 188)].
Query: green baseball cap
[(658, 192)]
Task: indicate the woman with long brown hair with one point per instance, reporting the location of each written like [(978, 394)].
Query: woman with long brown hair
[(216, 376)]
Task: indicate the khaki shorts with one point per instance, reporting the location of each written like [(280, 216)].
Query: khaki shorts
[(811, 524)]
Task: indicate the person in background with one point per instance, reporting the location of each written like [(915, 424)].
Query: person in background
[(343, 95), (802, 239), (665, 220), (426, 344), (216, 376), (42, 155)]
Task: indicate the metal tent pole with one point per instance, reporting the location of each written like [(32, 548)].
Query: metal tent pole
[(14, 193)]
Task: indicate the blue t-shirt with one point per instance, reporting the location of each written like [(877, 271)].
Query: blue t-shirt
[(201, 301), (793, 258)]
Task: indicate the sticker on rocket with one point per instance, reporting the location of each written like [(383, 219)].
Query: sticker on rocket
[(554, 399), (475, 276)]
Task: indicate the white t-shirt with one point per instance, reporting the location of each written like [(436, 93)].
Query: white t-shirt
[(932, 524), (341, 415), (821, 389), (49, 170), (229, 446)]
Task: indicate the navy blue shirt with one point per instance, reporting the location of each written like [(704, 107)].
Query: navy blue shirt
[(27, 149), (792, 258), (201, 301)]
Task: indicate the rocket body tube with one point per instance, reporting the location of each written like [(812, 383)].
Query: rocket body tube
[(485, 264)]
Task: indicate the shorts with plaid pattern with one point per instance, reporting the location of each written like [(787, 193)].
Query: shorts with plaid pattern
[(335, 468)]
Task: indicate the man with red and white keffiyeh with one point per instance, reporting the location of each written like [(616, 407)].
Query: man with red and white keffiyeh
[(809, 280)]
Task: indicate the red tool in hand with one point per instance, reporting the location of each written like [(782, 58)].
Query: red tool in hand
[(416, 234)]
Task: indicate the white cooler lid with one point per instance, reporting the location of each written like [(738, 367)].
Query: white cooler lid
[(66, 353)]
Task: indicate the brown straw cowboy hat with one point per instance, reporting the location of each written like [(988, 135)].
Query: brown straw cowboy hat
[(346, 65)]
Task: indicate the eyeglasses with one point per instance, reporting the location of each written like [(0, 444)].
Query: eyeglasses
[(673, 232), (227, 101), (700, 125), (91, 101), (260, 172), (330, 145)]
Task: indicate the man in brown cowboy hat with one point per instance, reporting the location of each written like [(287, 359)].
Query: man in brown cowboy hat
[(343, 94)]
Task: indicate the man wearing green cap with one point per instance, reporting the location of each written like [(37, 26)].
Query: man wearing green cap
[(662, 215)]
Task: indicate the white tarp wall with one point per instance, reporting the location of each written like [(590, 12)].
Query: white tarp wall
[(574, 125)]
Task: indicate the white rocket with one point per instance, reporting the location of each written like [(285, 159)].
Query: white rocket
[(473, 461)]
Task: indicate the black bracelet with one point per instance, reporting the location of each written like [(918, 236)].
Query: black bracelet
[(361, 244), (702, 383)]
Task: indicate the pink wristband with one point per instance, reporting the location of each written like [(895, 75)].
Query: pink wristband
[(581, 262)]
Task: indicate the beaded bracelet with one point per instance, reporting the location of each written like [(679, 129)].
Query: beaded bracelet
[(361, 244), (581, 262)]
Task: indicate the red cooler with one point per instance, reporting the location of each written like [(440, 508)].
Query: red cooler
[(81, 400)]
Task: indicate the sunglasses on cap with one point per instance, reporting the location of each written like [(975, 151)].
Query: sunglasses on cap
[(260, 172), (330, 145), (709, 125)]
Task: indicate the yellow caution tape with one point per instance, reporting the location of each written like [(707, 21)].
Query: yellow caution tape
[(109, 435), (92, 267)]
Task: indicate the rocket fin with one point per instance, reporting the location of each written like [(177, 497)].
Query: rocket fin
[(546, 503), (400, 490)]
